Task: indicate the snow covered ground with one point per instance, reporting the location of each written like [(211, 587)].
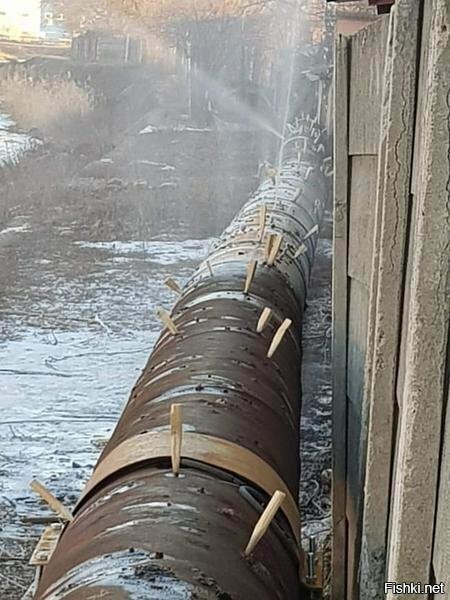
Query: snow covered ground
[(71, 348), (12, 144), (82, 274), (76, 327)]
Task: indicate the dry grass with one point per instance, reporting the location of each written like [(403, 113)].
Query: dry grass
[(66, 115), (52, 106)]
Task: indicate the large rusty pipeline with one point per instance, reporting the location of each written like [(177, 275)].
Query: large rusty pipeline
[(141, 532)]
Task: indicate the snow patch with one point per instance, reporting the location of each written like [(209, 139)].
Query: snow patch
[(162, 252), (13, 145), (176, 129), (18, 229)]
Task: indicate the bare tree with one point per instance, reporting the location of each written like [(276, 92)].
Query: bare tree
[(79, 13)]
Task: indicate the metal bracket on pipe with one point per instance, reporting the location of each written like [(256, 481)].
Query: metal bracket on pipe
[(46, 544), (311, 573)]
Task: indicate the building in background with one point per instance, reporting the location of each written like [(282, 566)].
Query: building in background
[(352, 7), (108, 47), (350, 17), (31, 20), (20, 19), (53, 23)]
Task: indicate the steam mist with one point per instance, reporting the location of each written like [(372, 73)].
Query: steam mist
[(130, 135)]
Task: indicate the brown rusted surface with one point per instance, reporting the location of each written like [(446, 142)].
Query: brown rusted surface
[(206, 449), (187, 534), (151, 535)]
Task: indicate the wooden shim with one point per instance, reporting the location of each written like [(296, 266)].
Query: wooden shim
[(264, 521), (50, 499), (251, 269), (167, 320), (262, 222), (274, 249), (268, 246), (311, 232), (263, 319), (301, 250), (172, 285), (176, 436), (271, 172), (278, 337), (40, 520), (46, 545)]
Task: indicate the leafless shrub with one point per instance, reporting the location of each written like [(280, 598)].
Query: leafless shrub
[(52, 106)]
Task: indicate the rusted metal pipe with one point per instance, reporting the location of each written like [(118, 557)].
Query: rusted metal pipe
[(141, 532)]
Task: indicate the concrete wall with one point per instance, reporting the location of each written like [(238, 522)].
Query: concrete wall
[(391, 312), (359, 81)]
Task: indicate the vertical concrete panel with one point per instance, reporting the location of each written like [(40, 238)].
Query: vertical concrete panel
[(356, 352), (357, 338), (416, 469), (366, 76), (352, 275), (373, 285), (421, 98), (361, 226), (441, 551), (363, 194), (368, 49), (339, 303), (397, 295), (387, 288)]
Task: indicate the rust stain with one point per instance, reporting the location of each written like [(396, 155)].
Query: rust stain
[(141, 532)]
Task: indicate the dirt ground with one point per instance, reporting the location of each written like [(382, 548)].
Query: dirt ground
[(87, 240)]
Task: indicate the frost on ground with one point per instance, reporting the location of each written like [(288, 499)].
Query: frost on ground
[(72, 345), (73, 342), (161, 252), (13, 144), (315, 444), (83, 270)]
